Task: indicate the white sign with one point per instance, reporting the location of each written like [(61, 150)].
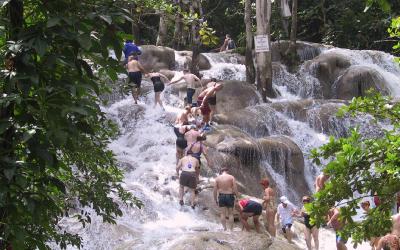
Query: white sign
[(261, 43)]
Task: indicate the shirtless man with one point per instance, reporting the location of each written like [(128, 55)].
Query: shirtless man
[(336, 224), (183, 118), (204, 98), (320, 181), (270, 206), (190, 80), (391, 240), (187, 178), (225, 189), (135, 70), (191, 135)]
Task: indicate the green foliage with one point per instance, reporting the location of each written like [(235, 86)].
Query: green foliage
[(394, 32), (366, 166), (207, 35), (53, 135)]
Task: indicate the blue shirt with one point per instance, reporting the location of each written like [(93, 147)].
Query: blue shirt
[(130, 47)]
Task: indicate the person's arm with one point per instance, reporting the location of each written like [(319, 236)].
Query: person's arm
[(196, 78), (216, 190), (178, 167), (141, 68), (235, 189), (173, 82), (205, 152), (333, 217), (205, 98), (276, 220), (164, 77)]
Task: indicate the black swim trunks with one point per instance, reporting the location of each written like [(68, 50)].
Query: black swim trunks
[(253, 207), (188, 179), (212, 100), (157, 83), (288, 226), (226, 200), (307, 221), (136, 78)]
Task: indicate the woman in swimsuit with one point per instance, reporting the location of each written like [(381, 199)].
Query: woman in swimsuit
[(158, 84), (196, 149), (310, 230), (181, 143), (270, 206)]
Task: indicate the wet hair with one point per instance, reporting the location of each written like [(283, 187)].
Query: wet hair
[(224, 169), (214, 79), (306, 198), (188, 108), (227, 35), (186, 70), (201, 138), (264, 182), (365, 203)]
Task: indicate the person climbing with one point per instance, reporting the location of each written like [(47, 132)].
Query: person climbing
[(192, 135), (135, 70), (183, 117), (181, 142), (130, 48), (187, 178), (320, 181), (212, 100), (270, 206), (158, 85), (365, 205), (203, 101), (335, 222), (190, 80), (196, 149), (228, 44), (310, 230), (225, 189), (285, 213), (248, 208)]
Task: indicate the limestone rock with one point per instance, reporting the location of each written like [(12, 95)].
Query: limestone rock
[(157, 57)]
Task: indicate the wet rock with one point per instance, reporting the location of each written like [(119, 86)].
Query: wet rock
[(305, 50), (127, 166), (199, 229), (204, 64), (129, 115), (259, 121), (357, 80), (157, 57), (168, 73)]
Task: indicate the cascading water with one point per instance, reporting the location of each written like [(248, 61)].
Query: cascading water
[(146, 151)]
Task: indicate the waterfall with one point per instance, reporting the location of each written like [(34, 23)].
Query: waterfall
[(225, 66)]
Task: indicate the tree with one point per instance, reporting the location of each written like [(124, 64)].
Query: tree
[(53, 135), (195, 11), (291, 53), (162, 29), (250, 70), (264, 59)]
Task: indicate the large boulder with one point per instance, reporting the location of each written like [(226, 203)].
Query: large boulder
[(259, 121), (157, 57), (204, 63), (236, 95), (357, 80), (327, 68), (286, 160)]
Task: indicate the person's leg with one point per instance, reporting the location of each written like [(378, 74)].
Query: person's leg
[(223, 217), (230, 218), (192, 197), (256, 223), (315, 232), (213, 111), (181, 194), (189, 95), (155, 99), (271, 223), (135, 94), (307, 237), (289, 233), (179, 154)]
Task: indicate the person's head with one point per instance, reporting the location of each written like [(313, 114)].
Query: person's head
[(228, 36), (264, 182), (365, 205), (201, 138), (186, 71), (213, 79), (284, 200), (306, 199), (224, 170), (325, 176), (218, 86), (129, 41), (188, 109)]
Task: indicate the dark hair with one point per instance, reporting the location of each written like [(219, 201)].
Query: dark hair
[(224, 169), (186, 70), (129, 41), (214, 79), (201, 138)]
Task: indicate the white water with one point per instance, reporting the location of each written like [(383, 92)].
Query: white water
[(146, 148)]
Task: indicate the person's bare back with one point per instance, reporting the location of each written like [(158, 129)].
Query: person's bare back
[(226, 184), (134, 66), (191, 136), (190, 79), (396, 224)]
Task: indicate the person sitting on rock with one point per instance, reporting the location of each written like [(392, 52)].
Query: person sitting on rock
[(228, 44), (135, 70), (285, 213), (270, 206), (158, 85), (320, 181), (225, 189), (190, 80), (187, 178), (248, 208), (203, 101)]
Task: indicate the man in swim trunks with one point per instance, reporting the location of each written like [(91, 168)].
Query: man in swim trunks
[(203, 100), (337, 225), (183, 117), (187, 178), (270, 206), (248, 208), (286, 210), (135, 70), (320, 181), (225, 189), (190, 80)]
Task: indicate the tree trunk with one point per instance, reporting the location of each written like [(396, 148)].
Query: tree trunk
[(264, 59), (134, 24), (293, 31), (178, 32), (250, 70), (162, 29), (194, 66)]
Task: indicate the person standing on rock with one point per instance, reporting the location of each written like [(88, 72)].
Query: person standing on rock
[(190, 80), (203, 101), (335, 222), (310, 230), (248, 208), (270, 206), (135, 70), (286, 211), (158, 85), (187, 178), (320, 181), (225, 189)]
